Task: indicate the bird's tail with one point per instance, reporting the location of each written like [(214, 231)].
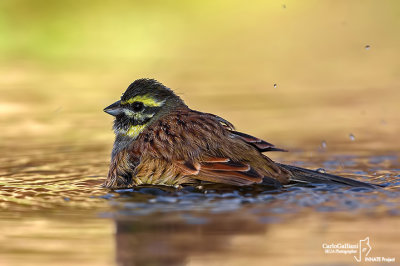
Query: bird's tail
[(303, 175)]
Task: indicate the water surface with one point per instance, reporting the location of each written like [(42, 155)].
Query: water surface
[(54, 209)]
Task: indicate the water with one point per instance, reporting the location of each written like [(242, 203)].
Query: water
[(321, 170), (52, 195), (323, 144)]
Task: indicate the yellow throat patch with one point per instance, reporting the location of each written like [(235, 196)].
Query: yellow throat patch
[(134, 131)]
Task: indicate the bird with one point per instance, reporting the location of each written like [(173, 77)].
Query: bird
[(160, 141)]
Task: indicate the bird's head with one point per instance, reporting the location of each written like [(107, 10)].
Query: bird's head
[(143, 102)]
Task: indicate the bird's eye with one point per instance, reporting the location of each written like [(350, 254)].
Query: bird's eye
[(137, 106)]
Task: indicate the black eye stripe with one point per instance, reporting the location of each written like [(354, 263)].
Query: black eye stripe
[(151, 110), (137, 106)]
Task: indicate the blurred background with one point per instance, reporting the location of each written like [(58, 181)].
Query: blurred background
[(336, 65), (319, 78)]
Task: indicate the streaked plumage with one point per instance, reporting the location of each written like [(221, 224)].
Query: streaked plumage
[(160, 141)]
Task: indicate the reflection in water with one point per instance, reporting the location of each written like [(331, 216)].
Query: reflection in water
[(164, 239)]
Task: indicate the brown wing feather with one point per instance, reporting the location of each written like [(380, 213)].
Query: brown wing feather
[(226, 166), (260, 144), (227, 172), (231, 177), (161, 172)]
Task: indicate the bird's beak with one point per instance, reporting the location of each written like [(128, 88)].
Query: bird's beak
[(114, 109)]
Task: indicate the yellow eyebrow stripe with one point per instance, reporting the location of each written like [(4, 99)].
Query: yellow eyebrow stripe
[(146, 100)]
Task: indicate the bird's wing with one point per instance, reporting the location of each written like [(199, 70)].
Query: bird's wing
[(209, 170), (259, 144), (221, 170), (189, 145)]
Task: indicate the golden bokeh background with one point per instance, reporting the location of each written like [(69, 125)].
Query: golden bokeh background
[(62, 62)]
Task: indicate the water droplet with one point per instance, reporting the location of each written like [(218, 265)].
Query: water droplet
[(321, 170), (275, 85), (367, 47), (323, 144), (352, 137)]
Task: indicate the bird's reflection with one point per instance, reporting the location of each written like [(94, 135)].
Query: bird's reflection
[(172, 238)]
